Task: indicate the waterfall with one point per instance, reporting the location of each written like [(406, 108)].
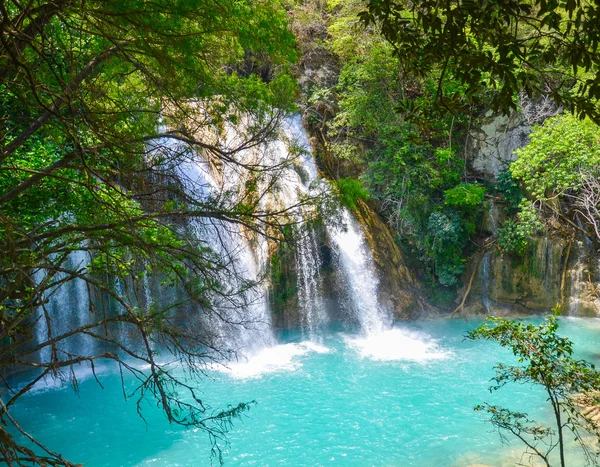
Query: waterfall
[(292, 186), (242, 324), (548, 266), (485, 279), (576, 289), (580, 298), (308, 260), (352, 253), (309, 296), (295, 180), (355, 260), (67, 309)]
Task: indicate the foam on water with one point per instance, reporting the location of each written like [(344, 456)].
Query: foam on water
[(398, 344), (273, 359)]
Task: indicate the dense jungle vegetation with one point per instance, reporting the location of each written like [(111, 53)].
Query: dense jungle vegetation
[(415, 79), (90, 90)]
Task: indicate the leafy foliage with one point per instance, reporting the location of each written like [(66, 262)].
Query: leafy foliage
[(103, 106), (549, 165), (407, 164), (559, 161), (465, 195), (445, 242), (509, 188), (350, 191), (512, 238), (545, 359), (499, 48)]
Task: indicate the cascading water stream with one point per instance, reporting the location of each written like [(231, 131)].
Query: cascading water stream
[(352, 252), (548, 265), (309, 295), (245, 326), (240, 325), (576, 288), (486, 279), (295, 180), (356, 263), (67, 309), (579, 250), (308, 260)]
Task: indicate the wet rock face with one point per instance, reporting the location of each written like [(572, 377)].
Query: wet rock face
[(582, 280), (557, 271), (398, 289), (534, 285)]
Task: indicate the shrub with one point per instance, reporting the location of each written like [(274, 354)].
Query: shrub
[(511, 238), (465, 195), (350, 191)]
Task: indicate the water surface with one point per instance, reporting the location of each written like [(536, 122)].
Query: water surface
[(403, 397)]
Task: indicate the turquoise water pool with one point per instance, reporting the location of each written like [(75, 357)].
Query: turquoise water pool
[(400, 398)]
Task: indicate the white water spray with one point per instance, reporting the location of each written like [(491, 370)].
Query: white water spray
[(245, 327)]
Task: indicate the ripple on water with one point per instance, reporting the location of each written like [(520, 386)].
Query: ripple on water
[(402, 397)]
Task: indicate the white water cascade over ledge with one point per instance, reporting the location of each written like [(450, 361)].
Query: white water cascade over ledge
[(254, 343), (376, 338)]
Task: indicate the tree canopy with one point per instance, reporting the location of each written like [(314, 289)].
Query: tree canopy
[(498, 48)]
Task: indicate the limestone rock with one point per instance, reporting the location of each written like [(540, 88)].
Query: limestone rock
[(491, 148), (557, 271)]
